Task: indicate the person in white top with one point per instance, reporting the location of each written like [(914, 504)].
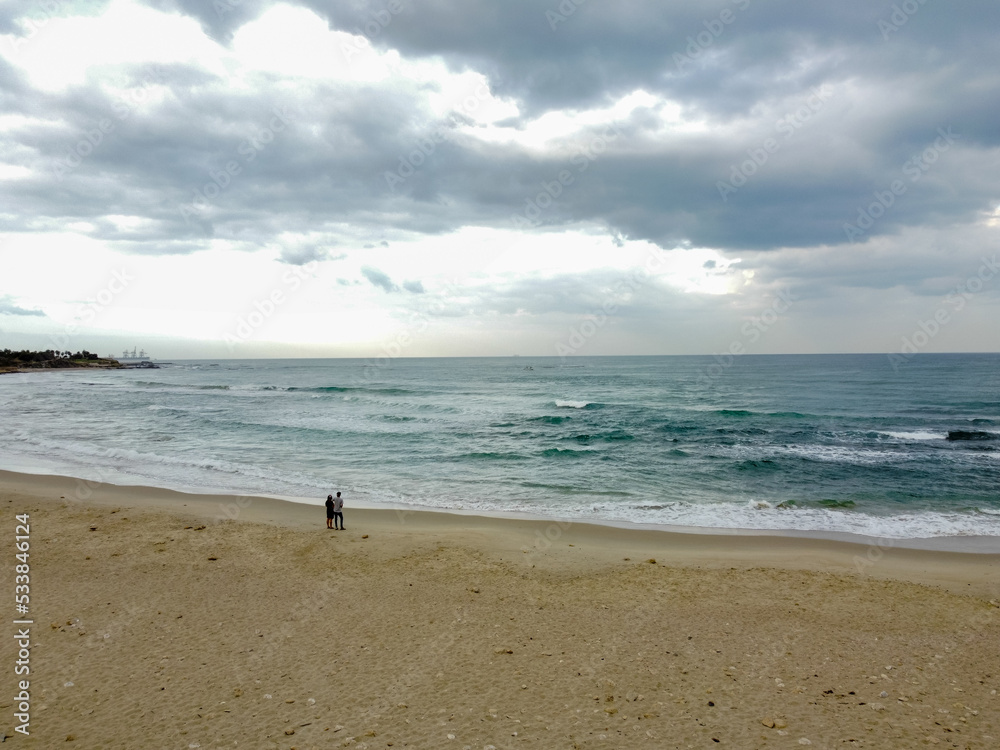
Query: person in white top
[(338, 512)]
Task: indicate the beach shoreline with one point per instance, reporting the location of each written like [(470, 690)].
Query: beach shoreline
[(960, 563), (28, 477)]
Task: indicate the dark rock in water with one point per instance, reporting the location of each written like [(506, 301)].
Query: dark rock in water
[(972, 435)]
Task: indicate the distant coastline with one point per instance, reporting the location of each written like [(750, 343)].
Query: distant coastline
[(30, 361)]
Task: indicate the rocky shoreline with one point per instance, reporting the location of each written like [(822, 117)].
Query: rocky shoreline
[(62, 364)]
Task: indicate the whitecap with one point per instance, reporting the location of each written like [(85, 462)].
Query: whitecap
[(917, 435)]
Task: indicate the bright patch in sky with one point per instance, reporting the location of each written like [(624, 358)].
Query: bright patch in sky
[(65, 50)]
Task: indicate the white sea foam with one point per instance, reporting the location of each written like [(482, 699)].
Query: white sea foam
[(832, 453), (183, 472), (572, 404), (917, 435), (755, 515)]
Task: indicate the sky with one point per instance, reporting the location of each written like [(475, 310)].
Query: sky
[(355, 178)]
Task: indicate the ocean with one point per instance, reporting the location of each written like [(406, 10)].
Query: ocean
[(831, 443)]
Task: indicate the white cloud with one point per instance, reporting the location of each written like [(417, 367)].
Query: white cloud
[(294, 42), (69, 48)]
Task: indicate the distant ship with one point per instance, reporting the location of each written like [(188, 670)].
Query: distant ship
[(133, 359)]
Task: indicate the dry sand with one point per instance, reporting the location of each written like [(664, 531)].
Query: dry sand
[(157, 626)]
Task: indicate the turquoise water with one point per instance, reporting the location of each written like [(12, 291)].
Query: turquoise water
[(827, 442)]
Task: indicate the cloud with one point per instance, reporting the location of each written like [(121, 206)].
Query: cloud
[(322, 165), (301, 253), (8, 307), (413, 286), (173, 140), (219, 18), (379, 279), (840, 147)]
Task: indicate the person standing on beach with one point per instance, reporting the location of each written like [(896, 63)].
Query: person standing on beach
[(338, 512), (329, 511)]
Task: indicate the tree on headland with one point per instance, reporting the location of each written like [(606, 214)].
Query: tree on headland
[(26, 358), (11, 357)]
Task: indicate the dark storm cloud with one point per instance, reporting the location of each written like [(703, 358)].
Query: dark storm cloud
[(918, 67), (725, 55), (810, 112), (207, 163)]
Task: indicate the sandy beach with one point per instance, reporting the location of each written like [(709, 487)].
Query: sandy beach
[(156, 623)]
